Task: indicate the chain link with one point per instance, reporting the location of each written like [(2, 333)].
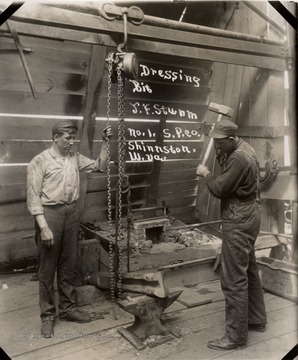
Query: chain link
[(111, 250), (115, 250), (121, 171)]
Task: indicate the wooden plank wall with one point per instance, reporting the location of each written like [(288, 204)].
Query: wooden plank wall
[(59, 71), (166, 89), (258, 99)]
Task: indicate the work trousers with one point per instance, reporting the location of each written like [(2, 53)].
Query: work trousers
[(240, 279), (62, 257)]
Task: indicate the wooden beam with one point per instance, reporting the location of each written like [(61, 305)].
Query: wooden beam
[(137, 16), (187, 52), (49, 16), (221, 55), (96, 71)]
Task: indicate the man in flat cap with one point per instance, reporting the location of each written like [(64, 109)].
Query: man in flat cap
[(53, 186), (238, 188)]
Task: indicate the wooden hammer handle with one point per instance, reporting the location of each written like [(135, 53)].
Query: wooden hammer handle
[(210, 145)]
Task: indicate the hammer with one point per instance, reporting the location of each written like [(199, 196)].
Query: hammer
[(220, 110)]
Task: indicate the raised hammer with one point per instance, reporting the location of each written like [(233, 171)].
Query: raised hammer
[(221, 110)]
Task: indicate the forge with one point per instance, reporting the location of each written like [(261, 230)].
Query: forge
[(150, 229)]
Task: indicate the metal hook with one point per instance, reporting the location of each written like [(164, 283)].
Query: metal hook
[(124, 12)]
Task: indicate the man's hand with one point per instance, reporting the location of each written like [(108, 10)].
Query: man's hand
[(202, 170), (47, 236), (107, 133)]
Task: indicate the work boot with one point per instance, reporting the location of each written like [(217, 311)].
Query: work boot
[(76, 316), (47, 328), (257, 327), (224, 344)]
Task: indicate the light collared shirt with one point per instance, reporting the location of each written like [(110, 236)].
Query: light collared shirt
[(54, 180)]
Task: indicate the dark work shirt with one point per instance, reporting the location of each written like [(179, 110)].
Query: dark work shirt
[(238, 178)]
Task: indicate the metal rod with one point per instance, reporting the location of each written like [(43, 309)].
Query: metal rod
[(196, 225), (251, 6), (188, 263), (176, 25), (289, 236)]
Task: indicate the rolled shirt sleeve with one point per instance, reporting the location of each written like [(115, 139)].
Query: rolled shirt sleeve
[(87, 165), (34, 186)]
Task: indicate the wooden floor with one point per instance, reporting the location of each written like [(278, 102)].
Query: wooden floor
[(100, 340)]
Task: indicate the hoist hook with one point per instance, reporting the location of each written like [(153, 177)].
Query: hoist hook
[(122, 47)]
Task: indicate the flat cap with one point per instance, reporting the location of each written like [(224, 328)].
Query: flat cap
[(223, 129), (64, 124)]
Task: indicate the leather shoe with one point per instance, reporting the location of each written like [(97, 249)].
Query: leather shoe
[(77, 316), (224, 344), (47, 328), (257, 327)]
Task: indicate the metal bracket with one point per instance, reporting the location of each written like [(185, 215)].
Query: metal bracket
[(271, 171), (136, 16), (110, 11)]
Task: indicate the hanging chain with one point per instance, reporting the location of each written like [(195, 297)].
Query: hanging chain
[(115, 250), (121, 172), (111, 250)]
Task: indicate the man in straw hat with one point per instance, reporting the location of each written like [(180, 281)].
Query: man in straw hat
[(238, 188), (53, 186)]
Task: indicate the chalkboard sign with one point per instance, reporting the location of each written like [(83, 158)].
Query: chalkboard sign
[(165, 109)]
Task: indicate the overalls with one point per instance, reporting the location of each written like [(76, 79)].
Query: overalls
[(240, 280)]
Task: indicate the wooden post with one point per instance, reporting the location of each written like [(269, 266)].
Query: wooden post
[(96, 71), (152, 197)]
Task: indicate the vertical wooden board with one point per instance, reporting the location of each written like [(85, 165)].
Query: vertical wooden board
[(275, 16), (276, 105), (256, 24), (234, 75), (244, 113), (276, 97), (259, 96)]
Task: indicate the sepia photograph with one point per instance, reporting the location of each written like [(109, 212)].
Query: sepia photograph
[(148, 180)]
